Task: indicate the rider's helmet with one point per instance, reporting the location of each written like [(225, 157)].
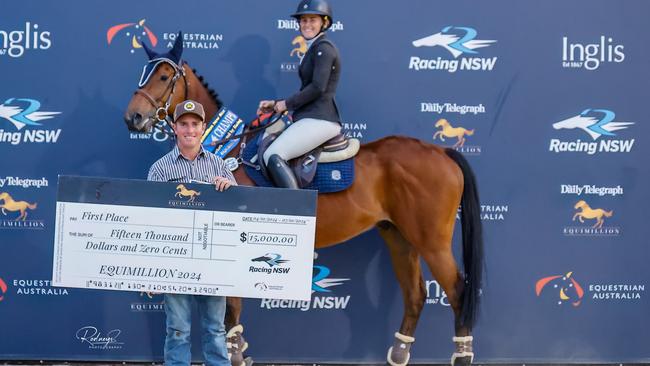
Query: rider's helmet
[(318, 7)]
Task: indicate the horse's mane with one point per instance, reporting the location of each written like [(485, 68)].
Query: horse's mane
[(212, 92)]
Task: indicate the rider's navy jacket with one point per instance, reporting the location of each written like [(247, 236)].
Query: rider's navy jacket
[(319, 73)]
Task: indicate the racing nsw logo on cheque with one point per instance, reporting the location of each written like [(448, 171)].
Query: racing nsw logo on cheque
[(187, 198)]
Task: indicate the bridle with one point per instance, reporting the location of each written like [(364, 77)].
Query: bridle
[(161, 116)]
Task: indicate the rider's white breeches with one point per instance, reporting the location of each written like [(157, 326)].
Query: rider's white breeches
[(301, 137)]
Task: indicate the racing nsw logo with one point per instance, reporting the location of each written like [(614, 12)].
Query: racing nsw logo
[(562, 288), (458, 41), (274, 262), (3, 289), (600, 125), (447, 130), (136, 32), (25, 116)]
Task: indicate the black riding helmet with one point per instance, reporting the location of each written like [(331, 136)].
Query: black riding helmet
[(318, 7)]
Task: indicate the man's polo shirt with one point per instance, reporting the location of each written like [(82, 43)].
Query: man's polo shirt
[(174, 167)]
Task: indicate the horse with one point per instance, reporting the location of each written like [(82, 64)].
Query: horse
[(184, 192), (587, 212), (12, 205), (408, 189), (449, 131)]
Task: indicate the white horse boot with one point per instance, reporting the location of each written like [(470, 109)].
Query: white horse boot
[(464, 354), (236, 345), (400, 352)]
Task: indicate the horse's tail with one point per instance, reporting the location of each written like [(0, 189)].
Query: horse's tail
[(469, 132), (608, 213), (472, 230), (32, 206)]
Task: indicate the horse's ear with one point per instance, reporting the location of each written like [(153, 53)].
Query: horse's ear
[(177, 50), (151, 54)]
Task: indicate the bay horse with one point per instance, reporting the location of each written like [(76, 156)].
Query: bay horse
[(408, 189)]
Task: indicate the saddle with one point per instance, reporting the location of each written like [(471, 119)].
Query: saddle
[(304, 167)]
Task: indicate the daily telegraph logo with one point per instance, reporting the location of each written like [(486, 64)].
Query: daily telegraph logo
[(292, 24), (134, 32), (14, 43), (590, 189), (274, 262), (15, 212), (591, 56), (321, 294), (594, 220), (96, 339), (449, 108), (600, 126), (25, 116), (563, 288), (9, 181), (458, 41)]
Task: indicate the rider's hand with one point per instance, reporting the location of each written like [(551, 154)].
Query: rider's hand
[(222, 183), (280, 106), (266, 106)]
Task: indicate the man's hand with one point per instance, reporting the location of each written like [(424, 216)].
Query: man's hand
[(221, 183), (280, 106), (266, 106)]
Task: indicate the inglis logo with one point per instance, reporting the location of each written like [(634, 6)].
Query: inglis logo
[(569, 289), (596, 123), (273, 260), (14, 43), (135, 31), (458, 41), (590, 56), (22, 112)]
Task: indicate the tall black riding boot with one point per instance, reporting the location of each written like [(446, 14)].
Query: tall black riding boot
[(281, 173)]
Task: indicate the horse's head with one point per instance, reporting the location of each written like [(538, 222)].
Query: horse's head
[(580, 121), (4, 195), (180, 187), (580, 204), (160, 88), (442, 122)]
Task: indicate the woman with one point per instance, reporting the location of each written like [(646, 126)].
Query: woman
[(315, 115)]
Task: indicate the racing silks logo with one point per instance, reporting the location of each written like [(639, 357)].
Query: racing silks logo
[(135, 31), (446, 129), (568, 290)]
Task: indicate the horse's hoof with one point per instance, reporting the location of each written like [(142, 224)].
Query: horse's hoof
[(236, 346), (400, 352), (463, 361)]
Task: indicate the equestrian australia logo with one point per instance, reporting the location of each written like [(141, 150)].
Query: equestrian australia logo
[(596, 123), (22, 113), (458, 41), (15, 212), (593, 220), (563, 289), (187, 198), (3, 289), (134, 33), (447, 130), (15, 43)]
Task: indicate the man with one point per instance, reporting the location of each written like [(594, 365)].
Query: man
[(188, 162)]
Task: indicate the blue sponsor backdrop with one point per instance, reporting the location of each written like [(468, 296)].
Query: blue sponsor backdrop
[(553, 100)]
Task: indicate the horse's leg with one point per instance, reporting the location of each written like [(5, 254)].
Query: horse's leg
[(234, 338), (406, 265)]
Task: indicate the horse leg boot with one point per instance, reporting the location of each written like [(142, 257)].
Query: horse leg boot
[(463, 355), (236, 345), (281, 173)]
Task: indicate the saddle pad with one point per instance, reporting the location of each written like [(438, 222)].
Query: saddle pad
[(330, 177)]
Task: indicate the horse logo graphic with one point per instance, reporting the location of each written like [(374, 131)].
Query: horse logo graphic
[(321, 282), (456, 40), (184, 192), (587, 212), (570, 289), (11, 205), (272, 259), (595, 127), (21, 117), (137, 32), (301, 49), (447, 130), (3, 289)]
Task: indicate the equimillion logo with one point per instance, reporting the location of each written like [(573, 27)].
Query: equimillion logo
[(15, 43), (459, 41), (459, 133), (16, 212), (24, 114), (596, 123), (189, 194), (298, 50), (585, 212)]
